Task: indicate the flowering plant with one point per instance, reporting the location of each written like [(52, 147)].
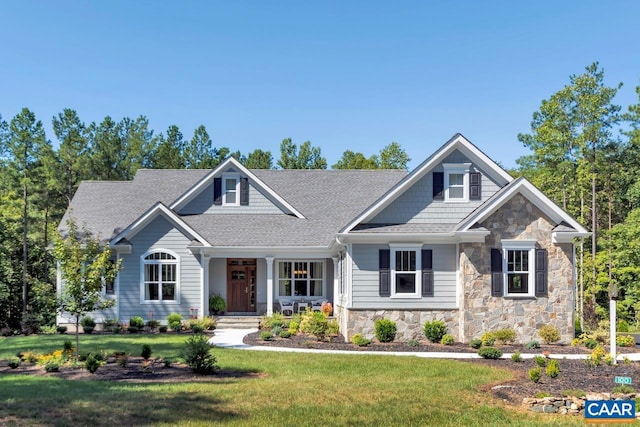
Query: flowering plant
[(326, 308)]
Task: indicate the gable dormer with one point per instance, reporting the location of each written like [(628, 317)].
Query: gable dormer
[(231, 189)]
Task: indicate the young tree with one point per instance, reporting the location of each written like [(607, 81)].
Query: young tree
[(85, 265), (393, 156)]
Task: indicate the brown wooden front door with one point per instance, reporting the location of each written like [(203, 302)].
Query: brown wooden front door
[(241, 285)]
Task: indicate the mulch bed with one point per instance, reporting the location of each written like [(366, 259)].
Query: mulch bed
[(574, 374)]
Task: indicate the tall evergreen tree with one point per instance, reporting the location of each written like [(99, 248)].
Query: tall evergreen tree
[(259, 159), (74, 149), (169, 151), (199, 152), (307, 157)]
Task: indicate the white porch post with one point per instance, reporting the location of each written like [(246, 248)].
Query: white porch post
[(336, 279), (204, 285), (269, 260)]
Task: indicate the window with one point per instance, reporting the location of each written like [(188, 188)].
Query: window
[(456, 182), (160, 277), (518, 267), (230, 190), (405, 277), (300, 278)]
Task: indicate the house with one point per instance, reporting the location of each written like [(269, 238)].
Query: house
[(457, 239)]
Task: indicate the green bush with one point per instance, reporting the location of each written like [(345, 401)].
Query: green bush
[(92, 363), (137, 322), (197, 356), (109, 323), (549, 334), (535, 374), (88, 329), (314, 323), (61, 329), (623, 326), (133, 329), (87, 321), (217, 304), (276, 319), (153, 324), (590, 343), (48, 330), (540, 361), (385, 330), (52, 367), (488, 339), (197, 329), (490, 353), (505, 336), (360, 341), (174, 320), (435, 330), (516, 357), (14, 362), (116, 329), (284, 334), (276, 330), (475, 343), (413, 343), (162, 329), (146, 351), (625, 341), (447, 340), (624, 389), (67, 346), (266, 335), (122, 360), (553, 368), (530, 345), (293, 327), (333, 329)]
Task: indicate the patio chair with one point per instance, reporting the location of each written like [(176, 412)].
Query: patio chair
[(317, 304), (286, 305)]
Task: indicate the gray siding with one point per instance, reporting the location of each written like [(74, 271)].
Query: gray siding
[(203, 203), (365, 280), (416, 205), (159, 234)]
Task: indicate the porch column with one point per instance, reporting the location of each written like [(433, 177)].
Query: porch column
[(269, 260), (204, 285), (336, 280)]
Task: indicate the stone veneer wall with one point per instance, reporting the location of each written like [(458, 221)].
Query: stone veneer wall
[(409, 323), (517, 219)]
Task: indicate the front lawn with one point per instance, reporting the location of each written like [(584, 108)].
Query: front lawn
[(291, 389)]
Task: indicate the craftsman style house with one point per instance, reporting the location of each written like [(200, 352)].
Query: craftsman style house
[(457, 239)]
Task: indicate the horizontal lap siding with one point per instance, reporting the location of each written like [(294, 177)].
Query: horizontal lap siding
[(159, 234), (366, 281), (203, 203)]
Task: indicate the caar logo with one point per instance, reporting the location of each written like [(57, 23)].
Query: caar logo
[(610, 411)]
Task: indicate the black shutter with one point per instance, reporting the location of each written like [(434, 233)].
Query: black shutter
[(384, 262), (244, 191), (427, 273), (438, 186), (475, 186), (496, 272), (217, 191), (541, 272)]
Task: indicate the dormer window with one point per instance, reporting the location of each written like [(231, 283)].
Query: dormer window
[(230, 190), (456, 183)]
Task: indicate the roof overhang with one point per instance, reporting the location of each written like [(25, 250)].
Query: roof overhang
[(567, 236), (264, 252), (451, 237)]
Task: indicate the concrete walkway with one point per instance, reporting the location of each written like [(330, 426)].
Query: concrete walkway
[(232, 338)]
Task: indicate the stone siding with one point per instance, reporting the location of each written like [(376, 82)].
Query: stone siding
[(517, 219), (409, 323)]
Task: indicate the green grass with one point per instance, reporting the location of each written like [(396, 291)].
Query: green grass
[(270, 389)]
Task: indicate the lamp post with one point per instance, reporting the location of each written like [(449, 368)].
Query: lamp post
[(613, 295)]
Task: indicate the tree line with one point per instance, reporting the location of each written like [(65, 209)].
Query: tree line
[(584, 154), (37, 182)]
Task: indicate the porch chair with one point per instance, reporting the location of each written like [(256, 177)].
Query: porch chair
[(286, 305)]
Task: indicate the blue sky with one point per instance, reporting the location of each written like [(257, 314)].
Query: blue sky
[(342, 74)]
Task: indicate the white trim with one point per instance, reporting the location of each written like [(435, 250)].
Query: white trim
[(471, 236), (457, 169), (308, 279), (146, 218), (416, 247), (457, 142), (236, 177), (160, 301), (519, 245), (269, 261), (200, 185)]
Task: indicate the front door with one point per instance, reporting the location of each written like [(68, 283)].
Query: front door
[(241, 285)]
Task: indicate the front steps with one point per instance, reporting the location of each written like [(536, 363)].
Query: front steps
[(237, 322)]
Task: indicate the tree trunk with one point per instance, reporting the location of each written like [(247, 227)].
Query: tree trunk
[(24, 249), (77, 335)]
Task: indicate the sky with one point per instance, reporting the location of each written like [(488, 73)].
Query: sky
[(354, 75)]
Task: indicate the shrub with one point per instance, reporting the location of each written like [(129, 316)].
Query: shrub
[(624, 389), (116, 329), (574, 392), (67, 346), (266, 335), (540, 361), (122, 360), (553, 368), (293, 327), (596, 356), (608, 360), (530, 345), (516, 357), (61, 329), (133, 329), (217, 304), (146, 351), (576, 342), (505, 336), (488, 339), (549, 334), (91, 363), (623, 326), (174, 320), (314, 323), (542, 394), (333, 329), (590, 343), (6, 332), (137, 322), (14, 362), (276, 319), (435, 330), (52, 367), (48, 330), (475, 343), (162, 329), (153, 324), (535, 374), (197, 355), (360, 341), (88, 329), (30, 323), (284, 334), (197, 329), (385, 330), (87, 321), (490, 353), (625, 341), (29, 357), (447, 340), (109, 323), (276, 330), (413, 343)]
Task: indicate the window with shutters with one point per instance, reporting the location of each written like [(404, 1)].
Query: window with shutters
[(518, 267), (456, 182), (230, 190), (406, 268)]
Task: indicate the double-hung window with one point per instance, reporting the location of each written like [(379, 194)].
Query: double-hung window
[(300, 278), (518, 267), (230, 190), (456, 182), (160, 277), (405, 271)]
